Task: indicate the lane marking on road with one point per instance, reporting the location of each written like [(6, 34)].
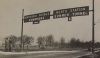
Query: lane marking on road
[(34, 52)]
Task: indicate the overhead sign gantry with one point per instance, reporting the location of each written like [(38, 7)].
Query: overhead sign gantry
[(62, 13)]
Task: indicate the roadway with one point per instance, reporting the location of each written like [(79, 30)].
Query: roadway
[(62, 54)]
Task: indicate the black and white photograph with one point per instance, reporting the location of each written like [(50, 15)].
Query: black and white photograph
[(49, 29)]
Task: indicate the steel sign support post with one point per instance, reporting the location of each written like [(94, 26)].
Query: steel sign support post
[(93, 30), (22, 30)]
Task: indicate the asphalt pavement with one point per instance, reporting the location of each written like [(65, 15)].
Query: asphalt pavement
[(54, 54)]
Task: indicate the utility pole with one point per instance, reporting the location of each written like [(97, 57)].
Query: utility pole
[(93, 29), (22, 30)]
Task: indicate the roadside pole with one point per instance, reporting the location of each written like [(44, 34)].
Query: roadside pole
[(22, 31), (93, 30)]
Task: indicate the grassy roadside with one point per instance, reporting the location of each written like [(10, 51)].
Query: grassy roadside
[(97, 55)]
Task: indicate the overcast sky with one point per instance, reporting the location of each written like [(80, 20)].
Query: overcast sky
[(80, 27)]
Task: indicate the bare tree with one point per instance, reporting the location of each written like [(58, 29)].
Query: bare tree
[(27, 40), (49, 41), (56, 44), (10, 42), (41, 42), (62, 42)]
